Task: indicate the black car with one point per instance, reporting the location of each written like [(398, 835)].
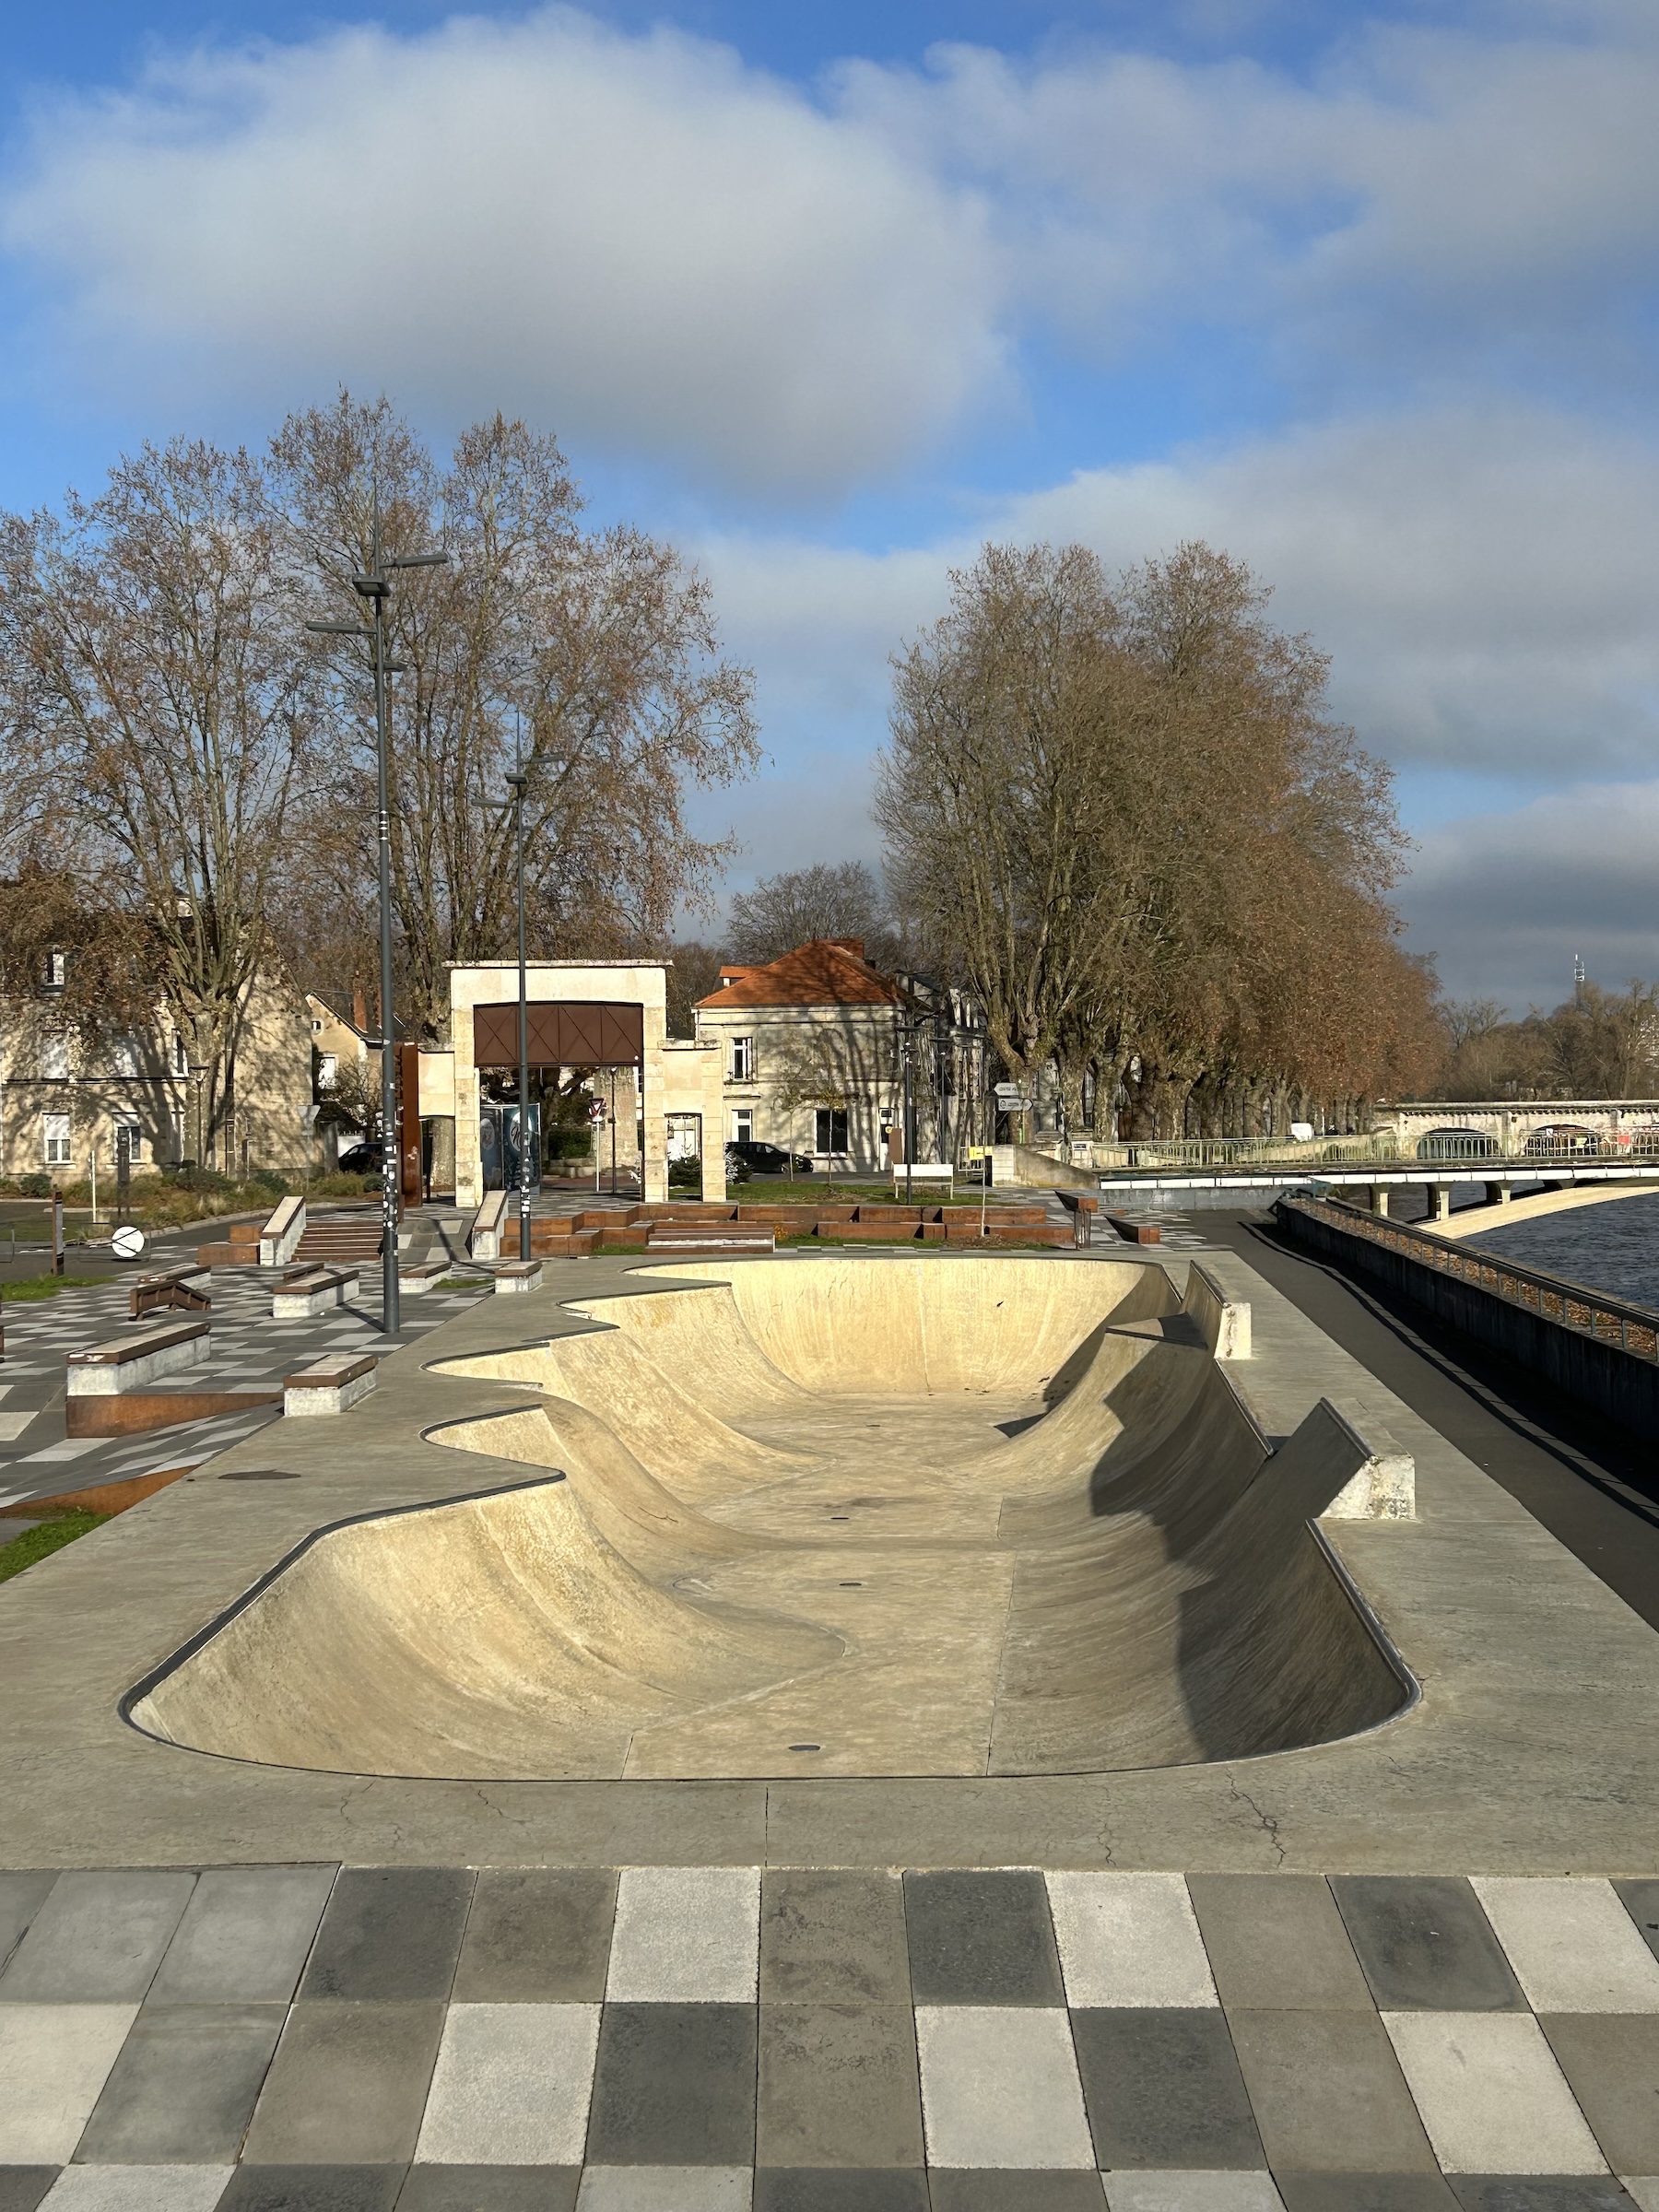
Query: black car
[(765, 1160), (364, 1160)]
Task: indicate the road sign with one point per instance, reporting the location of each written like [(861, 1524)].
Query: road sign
[(1008, 1090), (127, 1244)]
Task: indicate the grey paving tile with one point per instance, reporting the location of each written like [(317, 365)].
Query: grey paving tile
[(1129, 1939), (22, 2187), (348, 2085), (136, 2189), (832, 1939), (838, 2087), (1572, 1944), (1425, 1945), (1491, 2095), (1000, 2088), (1366, 2193), (674, 2085), (1277, 1942), (1539, 2192), (183, 2089), (97, 1940), (537, 1935), (685, 1934), (511, 2086), (312, 2189), (1611, 2061), (490, 2189), (1203, 2191), (1641, 1900), (841, 2189), (1162, 2088), (21, 1896), (54, 2060), (1328, 2094), (244, 1938), (1015, 2190), (981, 1940), (390, 1934), (664, 2189)]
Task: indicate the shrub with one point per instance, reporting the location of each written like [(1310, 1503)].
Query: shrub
[(685, 1174), (34, 1186)]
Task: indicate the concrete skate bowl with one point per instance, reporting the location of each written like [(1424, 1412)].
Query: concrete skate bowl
[(862, 1516)]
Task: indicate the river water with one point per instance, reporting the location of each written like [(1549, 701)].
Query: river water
[(1612, 1248)]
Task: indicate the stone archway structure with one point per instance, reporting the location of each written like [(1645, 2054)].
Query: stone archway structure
[(583, 1014)]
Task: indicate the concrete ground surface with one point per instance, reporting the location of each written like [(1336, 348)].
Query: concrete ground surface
[(308, 2039), (1415, 1967)]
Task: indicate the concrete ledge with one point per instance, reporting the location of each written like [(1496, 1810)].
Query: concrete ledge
[(303, 1297), (1383, 1490), (105, 1370), (519, 1275), (485, 1241), (330, 1387), (280, 1239), (413, 1282), (1224, 1321)]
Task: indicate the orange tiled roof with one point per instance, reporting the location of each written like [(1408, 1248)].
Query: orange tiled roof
[(827, 971)]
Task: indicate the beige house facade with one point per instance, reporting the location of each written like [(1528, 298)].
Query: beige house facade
[(70, 1101), (611, 1014), (814, 1050)]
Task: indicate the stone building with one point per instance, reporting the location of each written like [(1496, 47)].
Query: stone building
[(69, 1099), (813, 1052)]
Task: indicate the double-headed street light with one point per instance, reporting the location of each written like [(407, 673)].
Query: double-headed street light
[(376, 588)]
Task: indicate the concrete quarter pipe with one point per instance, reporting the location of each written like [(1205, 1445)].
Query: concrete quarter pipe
[(869, 1516)]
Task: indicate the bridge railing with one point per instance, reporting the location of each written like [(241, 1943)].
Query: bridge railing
[(1378, 1149), (1634, 1329)]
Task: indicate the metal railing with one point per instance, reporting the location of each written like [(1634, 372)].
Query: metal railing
[(1380, 1148), (1635, 1329)]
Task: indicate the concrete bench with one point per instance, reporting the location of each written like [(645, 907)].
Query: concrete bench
[(485, 1242), (106, 1371), (280, 1239), (1135, 1232), (415, 1281), (308, 1292), (519, 1275), (329, 1386), (183, 1288)]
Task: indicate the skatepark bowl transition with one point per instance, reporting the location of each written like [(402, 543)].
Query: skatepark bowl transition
[(853, 1517)]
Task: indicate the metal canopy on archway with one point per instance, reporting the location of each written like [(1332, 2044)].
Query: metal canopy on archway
[(562, 1033)]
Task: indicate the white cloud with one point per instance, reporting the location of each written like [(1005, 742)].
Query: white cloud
[(637, 239)]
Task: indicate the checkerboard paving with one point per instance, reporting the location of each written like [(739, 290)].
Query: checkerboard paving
[(315, 2039), (36, 1458)]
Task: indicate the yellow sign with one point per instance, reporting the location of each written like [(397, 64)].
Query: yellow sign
[(979, 1151)]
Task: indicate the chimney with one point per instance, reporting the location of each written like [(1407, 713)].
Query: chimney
[(359, 1010)]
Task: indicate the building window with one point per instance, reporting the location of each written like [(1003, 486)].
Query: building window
[(55, 1129), (743, 1126), (180, 1056), (54, 1057), (124, 1056), (743, 1059), (57, 965), (832, 1129), (128, 1131), (329, 1070)]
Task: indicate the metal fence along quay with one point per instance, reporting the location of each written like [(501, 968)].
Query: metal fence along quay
[(1633, 1329)]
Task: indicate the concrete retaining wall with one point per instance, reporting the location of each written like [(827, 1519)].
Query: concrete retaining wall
[(1624, 1385)]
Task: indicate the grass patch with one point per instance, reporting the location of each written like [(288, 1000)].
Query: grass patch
[(46, 1286), (461, 1282), (43, 1539)]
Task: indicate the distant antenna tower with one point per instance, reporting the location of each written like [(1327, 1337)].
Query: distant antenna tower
[(1579, 977)]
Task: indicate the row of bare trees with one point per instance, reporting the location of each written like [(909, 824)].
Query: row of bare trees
[(1120, 812), (190, 772), (1598, 1044)]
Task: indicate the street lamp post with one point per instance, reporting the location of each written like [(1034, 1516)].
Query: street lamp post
[(516, 783), (376, 588)]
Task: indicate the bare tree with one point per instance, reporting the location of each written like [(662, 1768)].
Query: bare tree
[(158, 720), (591, 658), (783, 910)]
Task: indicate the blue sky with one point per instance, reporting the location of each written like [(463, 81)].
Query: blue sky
[(830, 294)]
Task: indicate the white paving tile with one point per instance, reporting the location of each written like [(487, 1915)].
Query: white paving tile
[(1572, 1945), (685, 1934), (665, 2189), (138, 2189), (72, 1447), (1644, 2189), (1129, 1939), (54, 2060), (12, 1425), (1169, 2191), (999, 2087), (511, 2086), (1491, 2096)]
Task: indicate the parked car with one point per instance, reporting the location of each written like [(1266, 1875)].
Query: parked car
[(364, 1160), (751, 1159)]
